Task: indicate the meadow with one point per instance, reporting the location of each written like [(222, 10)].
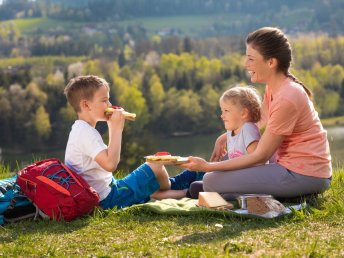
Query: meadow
[(314, 232), (191, 25)]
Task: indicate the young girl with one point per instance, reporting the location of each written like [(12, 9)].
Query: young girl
[(240, 110), (293, 129)]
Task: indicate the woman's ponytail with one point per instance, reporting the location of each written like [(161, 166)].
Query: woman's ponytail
[(308, 91)]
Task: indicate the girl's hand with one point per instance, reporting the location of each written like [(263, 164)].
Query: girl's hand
[(196, 164), (219, 149)]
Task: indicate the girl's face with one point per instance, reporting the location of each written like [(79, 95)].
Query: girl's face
[(256, 66), (233, 115)]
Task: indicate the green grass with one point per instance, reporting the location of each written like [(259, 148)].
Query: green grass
[(28, 26), (316, 232), (191, 25), (333, 121)]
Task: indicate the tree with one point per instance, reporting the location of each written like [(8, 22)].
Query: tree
[(5, 107), (92, 67), (187, 45), (182, 111), (156, 96), (329, 103), (63, 122), (42, 123), (210, 120), (131, 99)]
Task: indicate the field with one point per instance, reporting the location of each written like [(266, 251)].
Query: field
[(333, 121), (28, 26), (315, 232), (191, 25)]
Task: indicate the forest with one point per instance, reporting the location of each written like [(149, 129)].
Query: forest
[(170, 92), (172, 82)]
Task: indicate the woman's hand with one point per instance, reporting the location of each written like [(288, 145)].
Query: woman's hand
[(196, 164), (219, 149)]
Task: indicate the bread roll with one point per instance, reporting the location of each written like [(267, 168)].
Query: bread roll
[(127, 115)]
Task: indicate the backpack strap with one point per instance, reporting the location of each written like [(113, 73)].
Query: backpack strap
[(61, 180)]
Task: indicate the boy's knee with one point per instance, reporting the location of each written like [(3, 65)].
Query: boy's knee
[(156, 168), (161, 175)]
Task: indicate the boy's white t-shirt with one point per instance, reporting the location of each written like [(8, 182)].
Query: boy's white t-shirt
[(84, 143)]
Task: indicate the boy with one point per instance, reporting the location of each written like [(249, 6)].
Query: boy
[(87, 154)]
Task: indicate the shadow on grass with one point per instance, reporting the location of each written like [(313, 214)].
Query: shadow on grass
[(11, 231), (218, 227), (230, 229)]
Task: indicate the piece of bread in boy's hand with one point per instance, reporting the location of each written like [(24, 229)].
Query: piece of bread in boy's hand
[(127, 115)]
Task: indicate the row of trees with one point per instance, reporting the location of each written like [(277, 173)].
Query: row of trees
[(169, 92), (120, 43), (94, 40)]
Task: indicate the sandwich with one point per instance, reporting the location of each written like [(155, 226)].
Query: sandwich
[(127, 115), (165, 157)]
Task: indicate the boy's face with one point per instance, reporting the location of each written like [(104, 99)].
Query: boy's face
[(233, 116), (98, 104)]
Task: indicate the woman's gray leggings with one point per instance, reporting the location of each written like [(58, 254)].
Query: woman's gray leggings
[(271, 179)]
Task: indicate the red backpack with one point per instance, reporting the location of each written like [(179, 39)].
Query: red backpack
[(56, 190)]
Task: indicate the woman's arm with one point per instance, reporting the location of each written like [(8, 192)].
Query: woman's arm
[(266, 147)]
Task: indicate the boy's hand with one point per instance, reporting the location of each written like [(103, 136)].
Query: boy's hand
[(116, 119), (196, 164)]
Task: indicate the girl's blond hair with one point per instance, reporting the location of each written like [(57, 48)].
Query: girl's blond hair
[(247, 97)]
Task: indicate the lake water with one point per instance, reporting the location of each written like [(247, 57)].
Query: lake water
[(198, 145)]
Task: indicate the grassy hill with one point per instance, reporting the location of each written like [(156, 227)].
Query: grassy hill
[(315, 232), (42, 25), (191, 25)]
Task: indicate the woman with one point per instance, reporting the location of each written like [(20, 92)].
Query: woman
[(293, 131)]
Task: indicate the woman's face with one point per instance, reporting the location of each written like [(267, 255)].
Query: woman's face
[(258, 68)]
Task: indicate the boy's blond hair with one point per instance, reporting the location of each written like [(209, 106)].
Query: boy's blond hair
[(83, 87), (247, 97)]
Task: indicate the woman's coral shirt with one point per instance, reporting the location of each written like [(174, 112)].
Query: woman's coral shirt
[(290, 112)]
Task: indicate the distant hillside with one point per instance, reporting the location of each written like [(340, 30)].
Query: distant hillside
[(293, 15)]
